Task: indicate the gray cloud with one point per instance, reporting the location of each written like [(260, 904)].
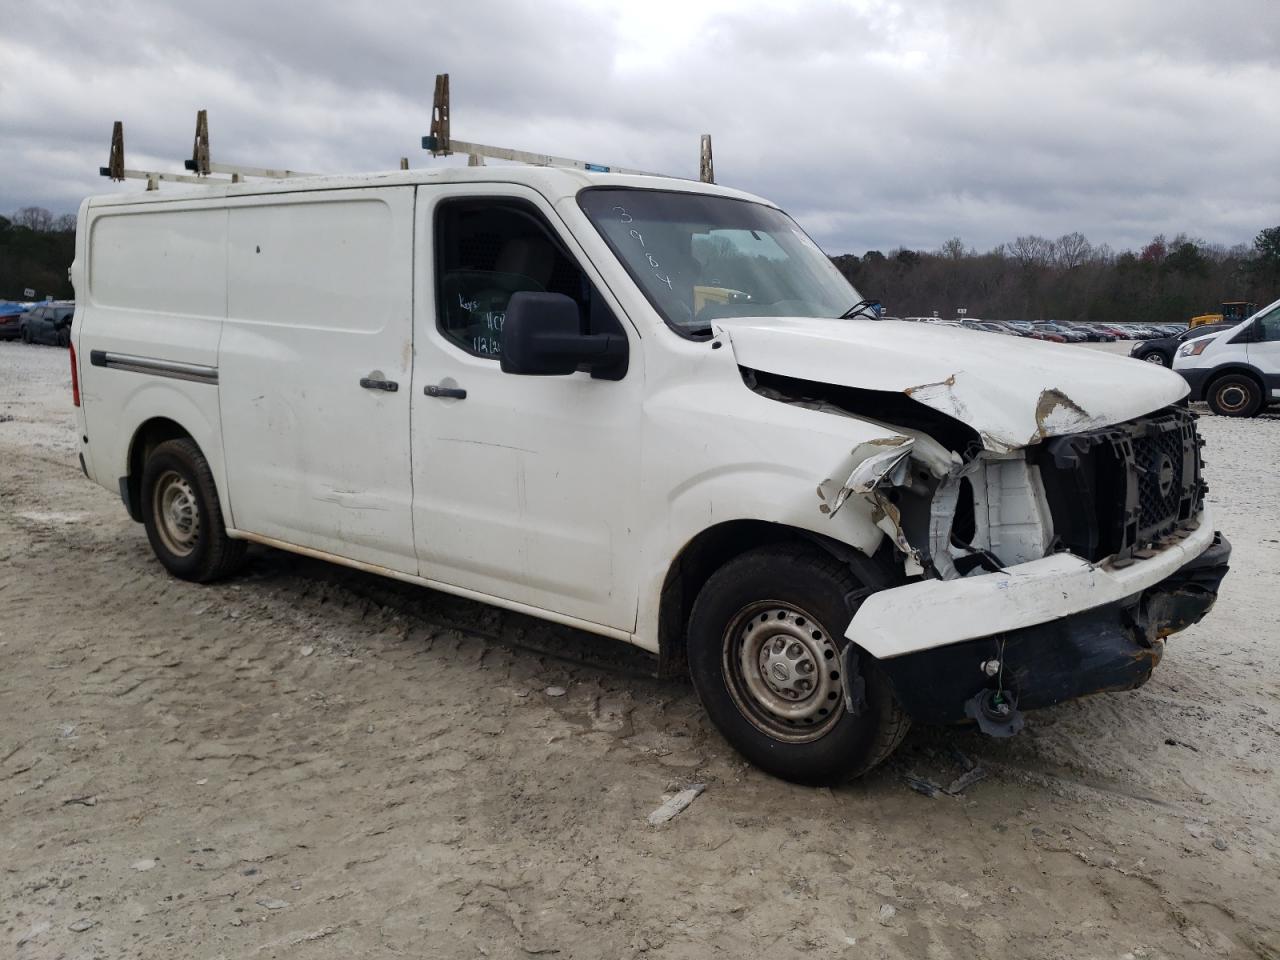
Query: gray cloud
[(876, 124)]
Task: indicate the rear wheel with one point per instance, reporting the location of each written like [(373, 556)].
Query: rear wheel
[(1234, 395), (182, 515), (765, 646)]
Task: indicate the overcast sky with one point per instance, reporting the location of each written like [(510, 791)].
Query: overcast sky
[(875, 124)]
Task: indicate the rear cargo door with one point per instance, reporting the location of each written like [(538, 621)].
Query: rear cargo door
[(314, 370)]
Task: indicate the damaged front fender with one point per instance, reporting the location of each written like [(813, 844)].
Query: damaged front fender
[(879, 465)]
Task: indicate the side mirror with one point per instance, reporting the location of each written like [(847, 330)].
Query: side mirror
[(541, 337)]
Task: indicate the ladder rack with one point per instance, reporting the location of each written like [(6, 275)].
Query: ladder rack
[(439, 142), (199, 164), (203, 170), (440, 148)]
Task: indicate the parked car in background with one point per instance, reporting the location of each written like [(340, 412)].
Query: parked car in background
[(1006, 328), (49, 323), (1162, 349), (1236, 370), (1120, 333), (1094, 334), (1022, 327), (1066, 333), (11, 320), (987, 326)]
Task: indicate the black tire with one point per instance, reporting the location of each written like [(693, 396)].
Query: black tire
[(183, 517), (26, 335), (796, 590), (1234, 395), (64, 338)]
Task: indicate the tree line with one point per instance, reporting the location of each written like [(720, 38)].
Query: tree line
[(1035, 278), (36, 250), (1031, 278)]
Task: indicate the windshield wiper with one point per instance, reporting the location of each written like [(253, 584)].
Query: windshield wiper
[(862, 306)]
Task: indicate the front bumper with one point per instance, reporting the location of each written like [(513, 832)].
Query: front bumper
[(1196, 378), (1114, 646), (930, 614)]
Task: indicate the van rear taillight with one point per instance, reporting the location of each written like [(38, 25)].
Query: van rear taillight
[(75, 377)]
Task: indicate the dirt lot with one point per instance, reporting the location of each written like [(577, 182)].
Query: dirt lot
[(308, 762)]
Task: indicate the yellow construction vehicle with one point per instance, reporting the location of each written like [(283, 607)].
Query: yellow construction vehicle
[(1233, 311)]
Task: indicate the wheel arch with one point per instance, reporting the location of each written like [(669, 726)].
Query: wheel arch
[(714, 546), (149, 435)]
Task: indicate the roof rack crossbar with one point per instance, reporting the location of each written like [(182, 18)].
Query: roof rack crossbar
[(441, 144), (199, 164), (433, 144)]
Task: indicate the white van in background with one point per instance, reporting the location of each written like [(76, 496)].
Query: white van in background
[(1236, 371), (654, 410)]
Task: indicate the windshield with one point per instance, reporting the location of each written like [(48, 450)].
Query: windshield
[(699, 258)]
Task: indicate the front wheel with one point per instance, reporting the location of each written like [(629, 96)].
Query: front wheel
[(1234, 395), (182, 515), (1156, 357), (765, 646)]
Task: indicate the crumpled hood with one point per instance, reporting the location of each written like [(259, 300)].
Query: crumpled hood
[(1013, 392)]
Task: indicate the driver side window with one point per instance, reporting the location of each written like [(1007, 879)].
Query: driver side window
[(486, 251)]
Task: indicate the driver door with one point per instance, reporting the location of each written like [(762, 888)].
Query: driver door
[(525, 487)]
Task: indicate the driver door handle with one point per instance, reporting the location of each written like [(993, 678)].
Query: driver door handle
[(454, 393), (373, 383)]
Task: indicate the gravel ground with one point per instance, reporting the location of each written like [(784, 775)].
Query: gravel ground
[(311, 762)]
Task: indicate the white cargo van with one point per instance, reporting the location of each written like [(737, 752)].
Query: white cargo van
[(1237, 371), (651, 409)]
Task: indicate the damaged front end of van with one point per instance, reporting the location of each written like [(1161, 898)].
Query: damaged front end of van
[(1047, 539)]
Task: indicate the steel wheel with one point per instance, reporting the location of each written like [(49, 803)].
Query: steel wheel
[(1233, 398), (783, 671), (177, 513)]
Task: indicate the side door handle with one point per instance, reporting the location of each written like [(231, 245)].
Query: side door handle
[(453, 393), (375, 382)]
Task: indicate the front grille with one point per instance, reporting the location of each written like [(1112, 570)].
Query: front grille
[(1161, 464), (1120, 489)]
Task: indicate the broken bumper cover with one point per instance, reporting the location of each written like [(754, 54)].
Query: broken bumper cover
[(1114, 646), (934, 613)]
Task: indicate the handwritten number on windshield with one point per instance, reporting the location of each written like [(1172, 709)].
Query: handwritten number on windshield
[(625, 217)]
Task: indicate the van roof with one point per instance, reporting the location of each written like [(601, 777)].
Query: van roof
[(553, 182)]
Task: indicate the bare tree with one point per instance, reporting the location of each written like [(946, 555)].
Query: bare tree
[(65, 223), (34, 218), (1071, 250), (954, 249), (1031, 250)]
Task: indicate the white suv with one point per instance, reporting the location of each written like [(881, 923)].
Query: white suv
[(653, 410)]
